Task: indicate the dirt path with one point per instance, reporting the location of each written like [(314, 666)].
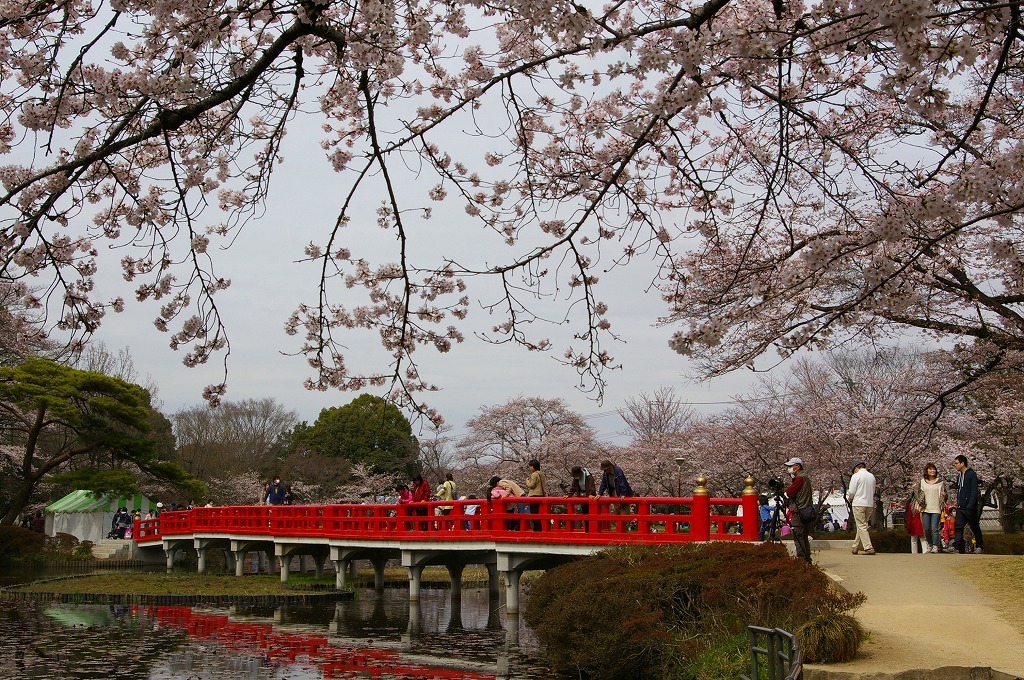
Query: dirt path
[(920, 614)]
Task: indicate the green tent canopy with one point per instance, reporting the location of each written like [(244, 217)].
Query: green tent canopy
[(87, 501), (87, 516)]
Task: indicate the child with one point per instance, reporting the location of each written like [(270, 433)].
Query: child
[(948, 527), (918, 542)]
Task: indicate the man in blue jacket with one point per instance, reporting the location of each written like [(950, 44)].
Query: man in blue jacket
[(613, 480), (968, 505), (275, 493)]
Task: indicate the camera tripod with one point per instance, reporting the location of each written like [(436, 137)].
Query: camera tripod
[(773, 534)]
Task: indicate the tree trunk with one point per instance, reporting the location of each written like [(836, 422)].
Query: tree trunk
[(18, 503)]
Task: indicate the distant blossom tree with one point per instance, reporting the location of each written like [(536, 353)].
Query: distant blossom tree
[(875, 406), (502, 439), (799, 174)]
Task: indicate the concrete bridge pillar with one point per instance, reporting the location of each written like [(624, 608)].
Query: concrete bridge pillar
[(318, 566), (286, 567), (512, 591), (415, 575), (455, 573), (340, 574), (378, 573), (492, 579), (170, 557), (201, 564)]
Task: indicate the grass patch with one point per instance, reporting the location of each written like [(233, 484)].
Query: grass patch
[(1001, 580)]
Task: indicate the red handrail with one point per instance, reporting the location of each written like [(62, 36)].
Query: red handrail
[(644, 520)]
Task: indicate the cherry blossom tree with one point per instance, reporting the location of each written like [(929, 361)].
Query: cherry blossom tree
[(21, 333), (987, 425), (872, 405), (502, 439), (796, 174), (651, 418)]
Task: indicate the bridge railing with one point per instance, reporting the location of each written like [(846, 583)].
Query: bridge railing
[(577, 520)]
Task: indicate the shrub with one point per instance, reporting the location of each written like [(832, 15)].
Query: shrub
[(16, 542), (61, 544), (830, 638), (647, 612), (898, 541), (83, 551), (1004, 544)]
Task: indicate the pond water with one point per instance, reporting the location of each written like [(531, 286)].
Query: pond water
[(375, 635)]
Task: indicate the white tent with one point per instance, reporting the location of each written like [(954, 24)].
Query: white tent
[(87, 516)]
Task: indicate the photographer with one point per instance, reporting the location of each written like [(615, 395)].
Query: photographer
[(803, 515)]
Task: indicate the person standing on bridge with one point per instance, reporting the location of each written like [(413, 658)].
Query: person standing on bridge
[(614, 482), (801, 501), (537, 487), (499, 489), (446, 492), (275, 493), (420, 494), (861, 494), (582, 485)]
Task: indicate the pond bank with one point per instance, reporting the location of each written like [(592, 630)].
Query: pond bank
[(128, 588)]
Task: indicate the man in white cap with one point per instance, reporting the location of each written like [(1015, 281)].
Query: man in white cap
[(861, 494), (801, 502)]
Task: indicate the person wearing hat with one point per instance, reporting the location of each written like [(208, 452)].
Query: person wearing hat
[(861, 494), (802, 503)]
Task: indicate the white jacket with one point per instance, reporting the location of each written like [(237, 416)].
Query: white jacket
[(862, 489)]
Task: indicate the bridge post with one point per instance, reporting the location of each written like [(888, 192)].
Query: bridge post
[(455, 573), (751, 510), (286, 566), (378, 573), (340, 574), (512, 591), (318, 566), (415, 574), (201, 562), (700, 512), (492, 579)]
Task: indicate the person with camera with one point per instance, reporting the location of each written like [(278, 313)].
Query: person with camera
[(801, 502)]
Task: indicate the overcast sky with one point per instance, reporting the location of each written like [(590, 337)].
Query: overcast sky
[(268, 283)]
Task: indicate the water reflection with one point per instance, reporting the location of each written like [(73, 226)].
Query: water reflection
[(378, 635)]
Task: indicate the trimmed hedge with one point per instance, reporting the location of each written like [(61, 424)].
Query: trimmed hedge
[(16, 543), (670, 611), (898, 541)]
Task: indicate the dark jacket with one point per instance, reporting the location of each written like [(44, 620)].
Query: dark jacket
[(274, 495), (800, 492), (967, 491), (615, 483), (584, 486)]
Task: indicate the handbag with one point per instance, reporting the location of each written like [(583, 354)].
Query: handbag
[(808, 515)]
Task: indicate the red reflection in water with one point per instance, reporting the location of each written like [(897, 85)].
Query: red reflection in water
[(295, 648)]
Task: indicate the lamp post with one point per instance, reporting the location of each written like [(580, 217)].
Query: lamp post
[(679, 475)]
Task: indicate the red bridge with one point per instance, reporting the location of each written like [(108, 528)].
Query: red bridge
[(508, 536)]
